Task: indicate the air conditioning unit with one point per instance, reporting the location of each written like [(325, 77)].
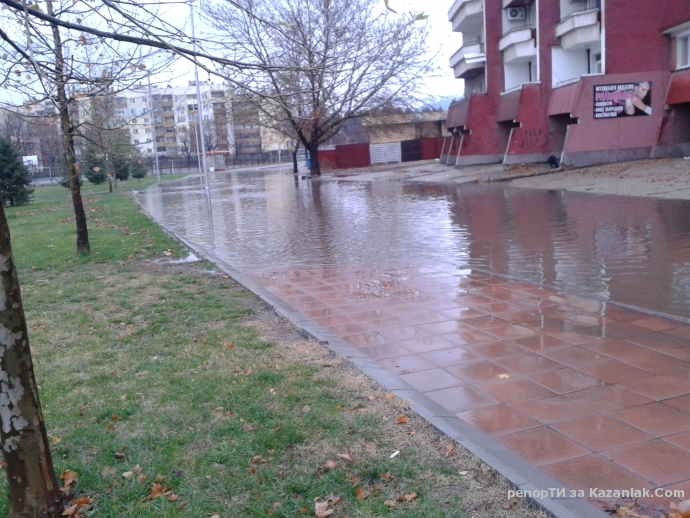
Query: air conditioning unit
[(516, 14)]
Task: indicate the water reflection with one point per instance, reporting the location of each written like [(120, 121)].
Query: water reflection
[(630, 250)]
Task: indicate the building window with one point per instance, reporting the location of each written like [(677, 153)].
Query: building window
[(136, 140), (181, 119), (146, 121), (135, 131), (683, 51), (148, 130)]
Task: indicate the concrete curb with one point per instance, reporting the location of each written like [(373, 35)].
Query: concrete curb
[(526, 175), (521, 474)]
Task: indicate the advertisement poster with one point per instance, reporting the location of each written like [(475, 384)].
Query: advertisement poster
[(624, 100)]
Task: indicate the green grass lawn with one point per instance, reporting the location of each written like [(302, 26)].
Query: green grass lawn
[(172, 374)]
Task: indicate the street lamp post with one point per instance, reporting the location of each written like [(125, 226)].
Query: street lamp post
[(201, 126)]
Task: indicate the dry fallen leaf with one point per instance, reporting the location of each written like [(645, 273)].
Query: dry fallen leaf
[(386, 476), (156, 491), (389, 396), (510, 503), (141, 478), (347, 457), (69, 477), (247, 428), (503, 376), (450, 449), (322, 509), (306, 409), (390, 504), (407, 497), (463, 473), (71, 511), (360, 494), (682, 507), (329, 464), (401, 420)]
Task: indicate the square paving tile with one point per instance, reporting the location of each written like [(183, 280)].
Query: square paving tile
[(593, 471), (528, 363), (623, 330), (655, 418), (382, 351), (365, 339), (657, 341), (613, 371), (563, 381), (432, 379), (573, 355), (656, 362), (682, 332), (498, 420), (615, 348), (656, 323), (682, 353), (681, 403), (369, 314), (657, 387), (403, 333), (460, 399), (387, 323), (406, 364), (460, 313), (540, 343), (498, 308), (352, 328), (515, 389), (542, 446), (477, 372), (682, 440), (333, 320), (424, 344), (493, 350), (554, 409), (449, 357), (511, 332), (469, 338), (599, 432), (424, 317), (608, 398), (580, 335), (657, 461), (485, 322)]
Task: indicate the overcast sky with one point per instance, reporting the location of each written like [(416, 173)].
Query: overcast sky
[(442, 43)]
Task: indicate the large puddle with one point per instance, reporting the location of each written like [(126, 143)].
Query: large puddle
[(634, 251)]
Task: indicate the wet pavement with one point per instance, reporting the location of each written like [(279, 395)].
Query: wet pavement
[(511, 308)]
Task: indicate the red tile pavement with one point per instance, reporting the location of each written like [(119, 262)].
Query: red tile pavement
[(594, 394)]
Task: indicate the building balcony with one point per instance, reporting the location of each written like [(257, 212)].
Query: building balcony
[(518, 45), (580, 29), (469, 60), (467, 16), (515, 3)]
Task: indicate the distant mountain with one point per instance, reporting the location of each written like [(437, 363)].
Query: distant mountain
[(442, 102)]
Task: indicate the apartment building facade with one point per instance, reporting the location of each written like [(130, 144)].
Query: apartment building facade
[(588, 81)]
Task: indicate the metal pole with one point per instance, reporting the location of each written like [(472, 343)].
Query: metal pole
[(153, 126), (201, 128)]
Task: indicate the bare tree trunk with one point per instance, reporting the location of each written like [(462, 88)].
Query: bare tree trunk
[(33, 487), (68, 141), (315, 167), (294, 158)]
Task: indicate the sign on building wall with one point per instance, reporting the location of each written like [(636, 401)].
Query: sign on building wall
[(623, 100)]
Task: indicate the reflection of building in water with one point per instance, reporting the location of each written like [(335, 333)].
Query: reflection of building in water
[(565, 78)]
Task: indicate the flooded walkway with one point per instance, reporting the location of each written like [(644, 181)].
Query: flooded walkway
[(494, 302)]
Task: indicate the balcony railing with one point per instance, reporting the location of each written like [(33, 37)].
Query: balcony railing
[(470, 49), (579, 29), (515, 36), (466, 16)]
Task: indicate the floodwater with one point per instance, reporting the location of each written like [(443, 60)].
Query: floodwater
[(634, 251)]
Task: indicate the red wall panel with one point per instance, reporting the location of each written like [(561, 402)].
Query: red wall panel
[(431, 148), (352, 155), (327, 159)]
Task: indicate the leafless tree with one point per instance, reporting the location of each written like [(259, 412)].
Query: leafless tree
[(323, 61)]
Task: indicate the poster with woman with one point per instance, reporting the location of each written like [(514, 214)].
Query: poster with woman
[(623, 100)]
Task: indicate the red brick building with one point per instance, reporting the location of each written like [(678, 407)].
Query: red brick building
[(589, 81)]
